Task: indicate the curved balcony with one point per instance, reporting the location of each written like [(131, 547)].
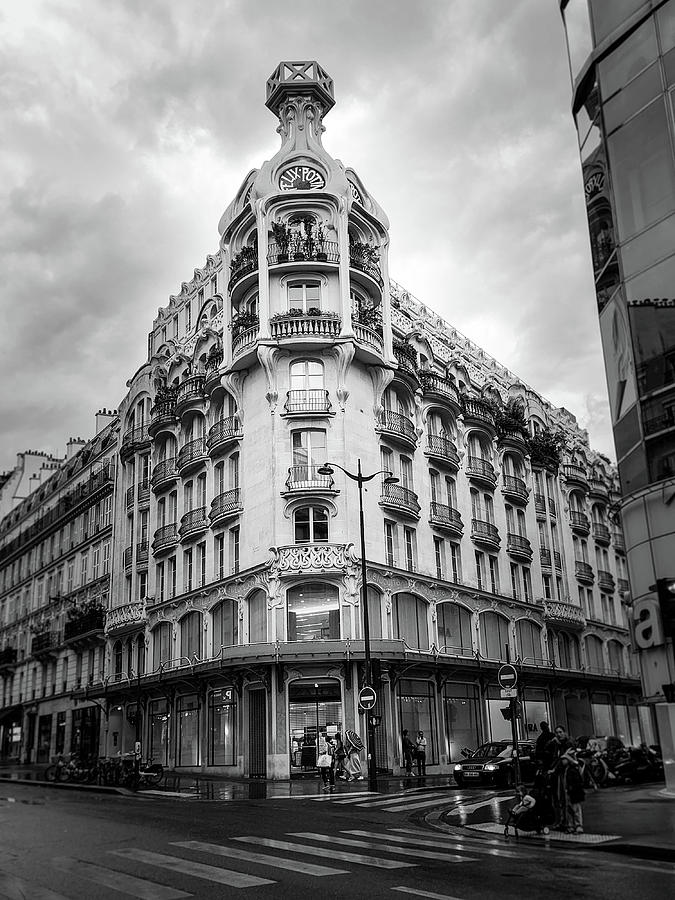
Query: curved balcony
[(192, 455), (212, 369), (128, 559), (134, 440), (310, 402), (298, 559), (142, 555), (162, 417), (598, 489), (307, 478), (306, 328), (369, 338), (476, 412), (442, 449), (601, 533), (244, 263), (606, 581), (164, 474), (446, 517), (190, 394), (307, 250), (222, 435), (406, 359), (401, 499), (479, 469), (437, 387), (519, 546), (397, 427), (225, 506), (661, 422), (565, 615), (515, 489), (362, 262), (46, 643), (244, 340), (576, 475), (545, 557), (485, 533), (583, 572), (579, 522), (623, 585), (165, 539), (122, 618), (540, 506), (619, 542), (193, 523), (513, 438)]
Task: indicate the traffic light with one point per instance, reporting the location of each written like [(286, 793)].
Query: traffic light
[(665, 588)]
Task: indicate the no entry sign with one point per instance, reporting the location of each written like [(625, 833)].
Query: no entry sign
[(507, 676), (367, 697)]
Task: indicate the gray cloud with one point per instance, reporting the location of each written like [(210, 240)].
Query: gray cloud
[(129, 126)]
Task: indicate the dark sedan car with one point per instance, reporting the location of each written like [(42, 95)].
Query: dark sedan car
[(494, 764)]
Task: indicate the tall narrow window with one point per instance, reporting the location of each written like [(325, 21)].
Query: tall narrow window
[(390, 543), (219, 543), (171, 562), (159, 581), (480, 569), (234, 549), (410, 549), (439, 556), (494, 574), (455, 563), (187, 570), (201, 564)]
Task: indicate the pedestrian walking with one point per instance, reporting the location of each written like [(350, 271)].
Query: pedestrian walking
[(325, 765), (561, 746), (573, 786), (408, 750), (421, 753), (339, 756), (353, 748)]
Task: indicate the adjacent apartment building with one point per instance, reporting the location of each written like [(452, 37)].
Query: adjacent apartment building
[(234, 628), (622, 63)]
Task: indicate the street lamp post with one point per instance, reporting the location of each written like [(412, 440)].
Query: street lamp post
[(361, 479)]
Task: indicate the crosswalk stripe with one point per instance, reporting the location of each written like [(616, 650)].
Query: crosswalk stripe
[(320, 851), (237, 853), (429, 894), (118, 881), (404, 807), (450, 844), (186, 867), (398, 799), (373, 845), (15, 888)]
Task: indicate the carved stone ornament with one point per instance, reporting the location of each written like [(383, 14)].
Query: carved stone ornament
[(234, 382), (269, 360), (344, 354), (300, 124), (381, 379)]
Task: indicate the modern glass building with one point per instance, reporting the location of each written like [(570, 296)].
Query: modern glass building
[(622, 64)]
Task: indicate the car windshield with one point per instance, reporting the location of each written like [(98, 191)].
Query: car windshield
[(494, 750)]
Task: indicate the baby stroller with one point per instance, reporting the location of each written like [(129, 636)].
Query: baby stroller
[(534, 810)]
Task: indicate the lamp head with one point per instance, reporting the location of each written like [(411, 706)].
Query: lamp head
[(325, 469), (391, 479)]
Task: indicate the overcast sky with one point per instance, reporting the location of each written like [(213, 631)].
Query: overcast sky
[(128, 126)]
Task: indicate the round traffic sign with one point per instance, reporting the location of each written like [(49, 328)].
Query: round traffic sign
[(507, 676), (367, 697)]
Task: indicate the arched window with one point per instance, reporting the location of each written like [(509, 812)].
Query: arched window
[(479, 447), (117, 658), (225, 625), (313, 612), (311, 525), (306, 377), (615, 651), (161, 644), (409, 617), (594, 657), (257, 617), (454, 629), (140, 654), (494, 635), (374, 613), (130, 658), (568, 650), (528, 635), (191, 636)]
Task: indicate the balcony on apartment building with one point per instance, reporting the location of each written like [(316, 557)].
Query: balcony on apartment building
[(397, 427), (225, 506), (193, 523), (442, 449), (401, 499), (222, 435), (583, 572), (446, 517), (485, 533), (519, 546), (480, 470), (192, 455), (165, 539), (601, 533), (515, 489), (313, 401), (164, 474), (579, 522)]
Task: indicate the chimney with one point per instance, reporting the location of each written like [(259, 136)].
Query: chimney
[(73, 446), (103, 418)]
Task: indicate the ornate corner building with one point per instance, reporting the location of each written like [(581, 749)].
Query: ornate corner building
[(234, 629)]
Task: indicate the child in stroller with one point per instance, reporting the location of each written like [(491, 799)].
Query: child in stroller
[(534, 809)]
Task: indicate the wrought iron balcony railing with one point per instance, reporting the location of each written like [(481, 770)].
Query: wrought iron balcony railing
[(142, 555), (545, 557), (143, 492), (45, 642), (164, 473), (606, 580), (134, 439), (225, 505), (8, 656), (400, 498), (515, 488), (193, 522), (481, 469), (618, 541), (84, 623), (299, 251), (575, 474), (485, 532), (192, 454), (540, 505), (358, 260), (434, 385), (580, 521), (223, 433), (190, 391), (601, 533), (312, 400), (128, 558), (397, 425), (442, 448), (557, 560), (518, 545), (583, 571), (478, 411), (443, 516), (165, 538)]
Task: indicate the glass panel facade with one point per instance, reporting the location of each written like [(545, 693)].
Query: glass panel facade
[(494, 636), (257, 618), (309, 707), (225, 625), (628, 60), (375, 613), (191, 636), (161, 644), (409, 615), (632, 98), (578, 31), (417, 712), (529, 642), (454, 629), (602, 715), (313, 613), (607, 15), (160, 721), (187, 713), (461, 708), (222, 727)]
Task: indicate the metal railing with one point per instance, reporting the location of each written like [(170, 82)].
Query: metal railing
[(306, 249), (516, 543), (601, 533), (478, 411), (448, 516), (193, 521), (515, 486), (398, 424), (288, 326), (358, 261), (400, 497), (166, 536), (545, 557), (583, 571), (437, 384), (540, 504), (442, 448), (165, 470), (190, 390), (303, 478), (222, 432), (225, 505), (192, 452), (580, 521), (312, 400), (478, 467), (484, 531)]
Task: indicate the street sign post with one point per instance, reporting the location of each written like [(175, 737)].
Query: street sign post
[(507, 677), (508, 693), (367, 697)]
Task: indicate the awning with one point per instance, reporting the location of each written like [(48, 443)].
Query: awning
[(11, 713)]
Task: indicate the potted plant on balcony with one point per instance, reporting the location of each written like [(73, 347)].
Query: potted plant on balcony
[(282, 238), (545, 448), (321, 254), (370, 316), (243, 322), (511, 417), (405, 354)]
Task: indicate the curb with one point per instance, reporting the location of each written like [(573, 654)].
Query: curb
[(67, 785)]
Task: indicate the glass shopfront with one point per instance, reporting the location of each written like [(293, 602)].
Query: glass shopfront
[(187, 714), (160, 722), (602, 715), (313, 706), (461, 707), (535, 711), (417, 712), (44, 738), (222, 727), (84, 736)]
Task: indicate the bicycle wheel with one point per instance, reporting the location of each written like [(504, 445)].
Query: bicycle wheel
[(153, 774), (50, 773)]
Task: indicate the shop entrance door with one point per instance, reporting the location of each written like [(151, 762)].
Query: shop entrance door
[(257, 734), (312, 706)]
